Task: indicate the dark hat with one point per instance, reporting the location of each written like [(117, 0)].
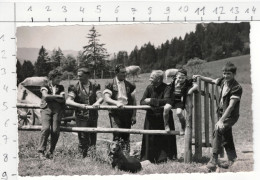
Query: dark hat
[(183, 71), (118, 67), (84, 70)]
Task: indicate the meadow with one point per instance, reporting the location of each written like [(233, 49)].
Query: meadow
[(67, 160)]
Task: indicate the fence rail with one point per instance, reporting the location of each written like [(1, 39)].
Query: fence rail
[(104, 130)]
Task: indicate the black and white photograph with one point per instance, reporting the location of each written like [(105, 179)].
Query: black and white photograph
[(135, 99)]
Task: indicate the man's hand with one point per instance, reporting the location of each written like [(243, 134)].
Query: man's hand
[(133, 120), (96, 105), (219, 125), (119, 104), (195, 76), (147, 100), (82, 106)]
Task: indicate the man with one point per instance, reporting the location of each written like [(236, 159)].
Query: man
[(120, 92), (229, 103), (83, 93)]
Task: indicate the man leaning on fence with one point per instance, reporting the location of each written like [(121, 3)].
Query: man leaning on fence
[(120, 92), (228, 110), (83, 93)]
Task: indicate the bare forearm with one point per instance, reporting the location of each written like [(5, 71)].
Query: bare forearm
[(109, 100), (74, 104), (207, 79)]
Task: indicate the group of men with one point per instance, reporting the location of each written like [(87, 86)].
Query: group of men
[(120, 92)]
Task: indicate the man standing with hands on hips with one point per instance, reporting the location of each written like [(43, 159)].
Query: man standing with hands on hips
[(84, 93), (120, 92)]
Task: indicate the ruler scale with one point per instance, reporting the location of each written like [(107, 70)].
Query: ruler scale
[(89, 12)]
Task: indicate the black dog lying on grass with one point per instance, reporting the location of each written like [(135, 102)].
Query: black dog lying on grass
[(121, 161)]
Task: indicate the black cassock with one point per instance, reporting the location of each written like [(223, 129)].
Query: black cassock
[(158, 148)]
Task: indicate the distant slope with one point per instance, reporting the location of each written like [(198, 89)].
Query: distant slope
[(32, 53), (242, 63)]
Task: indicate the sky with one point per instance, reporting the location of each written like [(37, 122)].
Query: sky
[(115, 37)]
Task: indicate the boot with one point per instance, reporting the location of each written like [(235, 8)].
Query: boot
[(212, 164)]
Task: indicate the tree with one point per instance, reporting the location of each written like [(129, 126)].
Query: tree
[(27, 69), (43, 64), (18, 71), (94, 53), (56, 58), (68, 64), (121, 58)]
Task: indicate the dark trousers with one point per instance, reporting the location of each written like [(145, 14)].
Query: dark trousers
[(50, 125), (224, 138), (86, 139), (121, 119)]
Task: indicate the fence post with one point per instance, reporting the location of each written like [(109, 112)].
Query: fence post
[(212, 108), (206, 113), (188, 130), (197, 110)]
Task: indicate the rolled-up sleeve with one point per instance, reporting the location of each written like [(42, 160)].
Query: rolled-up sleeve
[(108, 89), (236, 92)]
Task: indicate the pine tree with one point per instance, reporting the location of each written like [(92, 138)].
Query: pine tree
[(18, 71), (56, 58), (27, 69), (94, 53), (43, 64)]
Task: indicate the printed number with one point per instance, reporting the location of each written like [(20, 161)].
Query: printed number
[(81, 9), (248, 10), (219, 10), (133, 10), (64, 9), (5, 106), (6, 122), (150, 10), (3, 71), (2, 37), (117, 9), (3, 54), (184, 9), (198, 10), (98, 9), (30, 8), (4, 176), (234, 10), (168, 10), (5, 138), (5, 157), (5, 88), (48, 8)]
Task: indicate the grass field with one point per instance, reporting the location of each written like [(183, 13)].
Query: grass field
[(67, 161)]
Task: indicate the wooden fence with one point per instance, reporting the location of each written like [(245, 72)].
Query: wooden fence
[(209, 93)]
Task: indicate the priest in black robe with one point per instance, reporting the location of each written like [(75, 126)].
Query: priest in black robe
[(157, 148)]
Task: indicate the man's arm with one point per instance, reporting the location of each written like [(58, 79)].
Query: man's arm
[(193, 88), (70, 102), (108, 99), (232, 103), (206, 79)]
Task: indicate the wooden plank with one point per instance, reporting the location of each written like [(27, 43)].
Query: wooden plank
[(103, 130), (188, 130), (198, 129), (212, 108), (206, 113)]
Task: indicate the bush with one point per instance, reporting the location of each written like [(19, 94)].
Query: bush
[(195, 65)]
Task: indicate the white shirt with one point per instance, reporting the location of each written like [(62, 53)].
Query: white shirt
[(122, 96)]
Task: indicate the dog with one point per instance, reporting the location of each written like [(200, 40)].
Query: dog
[(121, 161)]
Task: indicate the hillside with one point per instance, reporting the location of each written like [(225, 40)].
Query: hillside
[(32, 54)]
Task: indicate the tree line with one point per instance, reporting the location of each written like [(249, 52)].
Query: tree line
[(209, 42)]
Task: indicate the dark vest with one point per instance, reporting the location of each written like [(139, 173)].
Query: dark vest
[(89, 99)]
